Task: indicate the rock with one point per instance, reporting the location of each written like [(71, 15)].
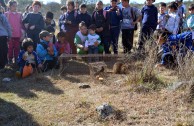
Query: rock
[(6, 79), (177, 85), (141, 89), (84, 86), (104, 110)]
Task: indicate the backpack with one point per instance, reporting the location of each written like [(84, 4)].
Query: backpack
[(104, 14), (134, 17)]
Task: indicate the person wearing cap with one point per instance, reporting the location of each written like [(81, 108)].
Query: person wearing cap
[(115, 19), (149, 23), (46, 51)]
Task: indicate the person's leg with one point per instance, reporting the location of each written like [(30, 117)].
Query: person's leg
[(10, 50), (143, 37), (106, 43), (130, 40), (114, 38), (95, 51), (90, 52), (124, 40), (16, 48), (3, 51)]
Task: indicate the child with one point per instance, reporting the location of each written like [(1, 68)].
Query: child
[(116, 17), (172, 24), (49, 20), (71, 24), (80, 38), (46, 51), (84, 16), (27, 56), (28, 9), (92, 41), (62, 19), (15, 20), (101, 19), (173, 45), (181, 13), (62, 45), (128, 25), (5, 33), (189, 24), (50, 25), (34, 23), (2, 6), (162, 17), (149, 22)]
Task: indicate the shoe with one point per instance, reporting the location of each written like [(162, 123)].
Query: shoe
[(18, 74)]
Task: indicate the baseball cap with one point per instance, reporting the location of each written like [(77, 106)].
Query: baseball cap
[(44, 34)]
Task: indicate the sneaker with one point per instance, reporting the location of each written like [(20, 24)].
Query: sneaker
[(18, 74)]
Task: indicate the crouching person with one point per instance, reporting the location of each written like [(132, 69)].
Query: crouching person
[(46, 51), (174, 47), (27, 59)]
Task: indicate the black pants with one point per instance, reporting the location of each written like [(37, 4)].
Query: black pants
[(49, 64), (3, 51), (145, 35), (127, 39)]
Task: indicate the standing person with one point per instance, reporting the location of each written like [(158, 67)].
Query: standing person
[(149, 22), (189, 24), (128, 25), (71, 24), (34, 23), (162, 17), (80, 38), (28, 9), (77, 7), (84, 16), (15, 20), (5, 34), (172, 25), (119, 4), (101, 19), (62, 19), (181, 13), (115, 18)]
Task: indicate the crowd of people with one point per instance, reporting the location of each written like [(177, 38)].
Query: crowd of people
[(29, 38)]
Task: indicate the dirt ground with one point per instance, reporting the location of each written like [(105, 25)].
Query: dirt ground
[(50, 100)]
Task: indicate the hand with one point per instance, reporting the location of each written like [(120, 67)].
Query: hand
[(68, 22), (26, 25), (40, 66), (134, 23), (118, 12), (32, 27), (24, 57), (96, 43), (85, 49), (99, 29)]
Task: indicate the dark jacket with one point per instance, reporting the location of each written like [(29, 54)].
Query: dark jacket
[(101, 19), (84, 17)]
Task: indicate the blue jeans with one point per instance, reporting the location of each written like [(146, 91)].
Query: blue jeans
[(92, 50)]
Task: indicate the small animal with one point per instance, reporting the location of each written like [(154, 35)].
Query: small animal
[(117, 67)]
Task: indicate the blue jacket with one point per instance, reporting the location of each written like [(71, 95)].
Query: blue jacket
[(114, 18), (5, 28), (21, 62), (184, 38), (85, 17), (43, 53), (149, 16)]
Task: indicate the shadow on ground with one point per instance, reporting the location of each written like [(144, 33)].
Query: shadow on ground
[(12, 115)]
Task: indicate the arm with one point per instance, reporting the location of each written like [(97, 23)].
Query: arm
[(20, 58), (177, 20), (55, 51), (7, 25), (41, 51), (37, 59), (77, 42), (86, 43)]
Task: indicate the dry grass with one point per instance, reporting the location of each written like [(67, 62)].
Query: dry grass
[(49, 99)]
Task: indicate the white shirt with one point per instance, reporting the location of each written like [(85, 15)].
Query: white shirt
[(91, 39), (173, 23)]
